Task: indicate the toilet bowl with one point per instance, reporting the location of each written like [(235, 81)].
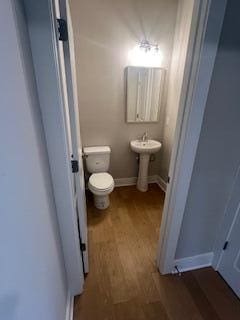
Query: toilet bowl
[(101, 185), (100, 182)]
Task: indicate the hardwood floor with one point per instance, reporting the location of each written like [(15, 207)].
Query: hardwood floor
[(124, 284)]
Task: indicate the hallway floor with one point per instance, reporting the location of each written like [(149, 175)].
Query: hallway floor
[(124, 283)]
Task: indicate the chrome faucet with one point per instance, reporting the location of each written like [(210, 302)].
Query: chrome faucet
[(145, 137)]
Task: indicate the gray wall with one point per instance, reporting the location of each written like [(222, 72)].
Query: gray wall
[(32, 273), (104, 32), (218, 154)]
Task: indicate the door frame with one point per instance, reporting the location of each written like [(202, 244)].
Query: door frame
[(74, 111), (205, 33), (197, 79), (67, 48), (230, 216), (68, 97), (203, 44), (43, 37)]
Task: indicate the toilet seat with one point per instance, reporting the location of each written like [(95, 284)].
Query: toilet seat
[(101, 183)]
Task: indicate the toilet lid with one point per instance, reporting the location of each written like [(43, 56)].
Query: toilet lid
[(101, 181)]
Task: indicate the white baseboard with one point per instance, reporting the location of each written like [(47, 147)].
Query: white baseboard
[(194, 262), (153, 179), (122, 182), (69, 308), (162, 184)]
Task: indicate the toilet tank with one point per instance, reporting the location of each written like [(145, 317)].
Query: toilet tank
[(97, 158)]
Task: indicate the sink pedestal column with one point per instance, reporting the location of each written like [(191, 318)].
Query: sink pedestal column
[(142, 182)]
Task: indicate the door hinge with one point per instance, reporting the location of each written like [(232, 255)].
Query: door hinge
[(225, 245), (62, 29), (75, 166), (83, 246), (168, 179)]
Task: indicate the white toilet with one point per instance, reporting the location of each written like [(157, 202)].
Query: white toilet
[(100, 182)]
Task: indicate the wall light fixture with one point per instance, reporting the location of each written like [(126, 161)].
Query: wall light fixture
[(145, 55)]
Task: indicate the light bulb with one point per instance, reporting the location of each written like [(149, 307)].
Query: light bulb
[(140, 56)]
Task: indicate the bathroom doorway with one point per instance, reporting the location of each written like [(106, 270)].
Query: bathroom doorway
[(132, 220)]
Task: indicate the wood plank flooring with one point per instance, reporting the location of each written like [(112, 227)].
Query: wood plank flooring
[(124, 284)]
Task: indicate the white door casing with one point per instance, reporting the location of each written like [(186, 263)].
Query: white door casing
[(229, 266), (75, 124), (227, 258), (65, 52), (189, 127), (43, 42), (206, 28)]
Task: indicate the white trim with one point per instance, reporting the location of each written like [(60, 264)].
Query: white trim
[(70, 62), (153, 179), (217, 263), (69, 307), (228, 220), (195, 262), (55, 134), (162, 183), (75, 274), (123, 182), (206, 28)]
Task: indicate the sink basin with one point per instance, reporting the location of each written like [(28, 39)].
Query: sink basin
[(148, 146), (145, 149)]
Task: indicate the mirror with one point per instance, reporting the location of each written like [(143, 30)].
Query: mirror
[(144, 93)]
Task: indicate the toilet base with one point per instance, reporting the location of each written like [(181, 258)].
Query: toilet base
[(101, 202)]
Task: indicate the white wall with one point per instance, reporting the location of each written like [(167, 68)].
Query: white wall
[(32, 273), (105, 32), (175, 81), (218, 153)]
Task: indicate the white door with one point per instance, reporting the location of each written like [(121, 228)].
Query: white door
[(229, 266), (69, 90)]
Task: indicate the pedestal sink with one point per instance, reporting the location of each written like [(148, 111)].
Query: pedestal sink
[(144, 149)]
